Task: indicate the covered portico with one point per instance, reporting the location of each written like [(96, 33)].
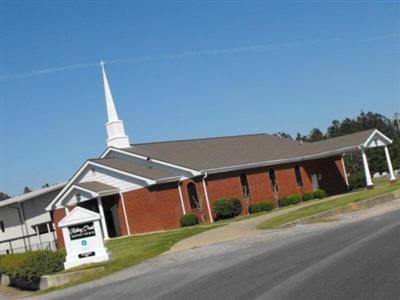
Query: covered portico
[(101, 198), (375, 140)]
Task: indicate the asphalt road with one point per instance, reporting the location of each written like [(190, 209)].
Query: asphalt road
[(352, 261)]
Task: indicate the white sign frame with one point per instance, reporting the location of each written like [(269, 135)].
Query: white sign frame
[(83, 238)]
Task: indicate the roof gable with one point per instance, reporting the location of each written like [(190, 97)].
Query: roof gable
[(79, 215)]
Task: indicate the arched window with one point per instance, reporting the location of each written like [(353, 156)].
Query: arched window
[(299, 180), (272, 178), (193, 198), (245, 185)]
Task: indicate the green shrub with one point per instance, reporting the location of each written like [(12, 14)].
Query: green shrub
[(308, 196), (254, 208), (319, 194), (189, 220), (226, 208), (30, 266), (294, 199), (266, 206), (283, 202), (357, 181)]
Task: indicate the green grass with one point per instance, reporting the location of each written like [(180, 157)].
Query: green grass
[(321, 207), (129, 251)]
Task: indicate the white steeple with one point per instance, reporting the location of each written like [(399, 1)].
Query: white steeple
[(116, 136)]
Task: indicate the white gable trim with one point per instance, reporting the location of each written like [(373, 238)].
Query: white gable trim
[(121, 151), (79, 215), (79, 172), (380, 136)]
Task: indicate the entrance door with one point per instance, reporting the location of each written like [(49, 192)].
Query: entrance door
[(315, 184), (111, 216)]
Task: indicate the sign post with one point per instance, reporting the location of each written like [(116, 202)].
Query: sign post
[(83, 238)]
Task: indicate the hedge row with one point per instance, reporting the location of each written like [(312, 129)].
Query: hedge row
[(259, 207), (231, 207), (294, 199), (30, 266)]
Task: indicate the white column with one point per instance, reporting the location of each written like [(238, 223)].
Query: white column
[(389, 163), (366, 169), (125, 214), (207, 200), (103, 219), (345, 173), (181, 198)]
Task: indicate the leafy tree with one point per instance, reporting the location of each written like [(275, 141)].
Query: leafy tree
[(46, 185), (315, 135), (27, 190), (4, 196), (282, 134)]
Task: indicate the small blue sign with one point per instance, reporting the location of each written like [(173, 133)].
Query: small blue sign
[(84, 242)]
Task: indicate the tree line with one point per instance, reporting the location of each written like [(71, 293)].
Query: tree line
[(364, 121)]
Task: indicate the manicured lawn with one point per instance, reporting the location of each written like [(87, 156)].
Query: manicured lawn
[(321, 207), (129, 251)]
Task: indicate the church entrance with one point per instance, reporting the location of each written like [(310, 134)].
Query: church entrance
[(110, 204)]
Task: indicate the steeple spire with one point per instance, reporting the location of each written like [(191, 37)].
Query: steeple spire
[(116, 136)]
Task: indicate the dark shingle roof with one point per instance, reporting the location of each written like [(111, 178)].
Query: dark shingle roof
[(342, 142), (212, 153), (134, 168), (96, 186)]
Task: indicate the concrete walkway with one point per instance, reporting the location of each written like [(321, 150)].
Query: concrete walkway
[(239, 229)]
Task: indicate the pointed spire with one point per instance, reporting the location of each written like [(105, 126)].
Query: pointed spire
[(111, 111), (116, 136)]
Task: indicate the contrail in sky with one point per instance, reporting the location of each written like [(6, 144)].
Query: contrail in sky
[(199, 53)]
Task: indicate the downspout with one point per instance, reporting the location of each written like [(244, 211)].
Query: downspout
[(181, 196), (207, 199)]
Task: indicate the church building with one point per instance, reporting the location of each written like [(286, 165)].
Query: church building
[(139, 188)]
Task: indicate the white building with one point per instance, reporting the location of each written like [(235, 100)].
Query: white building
[(24, 222)]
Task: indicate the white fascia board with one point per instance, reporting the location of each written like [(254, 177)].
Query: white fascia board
[(281, 161), (161, 162), (79, 172), (169, 179), (385, 139), (74, 186), (66, 187)]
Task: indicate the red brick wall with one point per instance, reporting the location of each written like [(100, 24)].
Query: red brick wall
[(202, 212), (58, 215), (154, 208), (332, 176), (159, 207), (121, 216)]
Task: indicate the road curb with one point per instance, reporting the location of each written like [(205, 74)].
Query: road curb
[(351, 207)]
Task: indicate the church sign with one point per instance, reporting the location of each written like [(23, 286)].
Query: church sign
[(83, 238), (81, 231)]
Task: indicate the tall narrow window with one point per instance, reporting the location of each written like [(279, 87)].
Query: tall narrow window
[(272, 178), (193, 198), (245, 185), (2, 226), (299, 180)]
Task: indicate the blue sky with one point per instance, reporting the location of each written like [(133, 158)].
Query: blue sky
[(209, 69)]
